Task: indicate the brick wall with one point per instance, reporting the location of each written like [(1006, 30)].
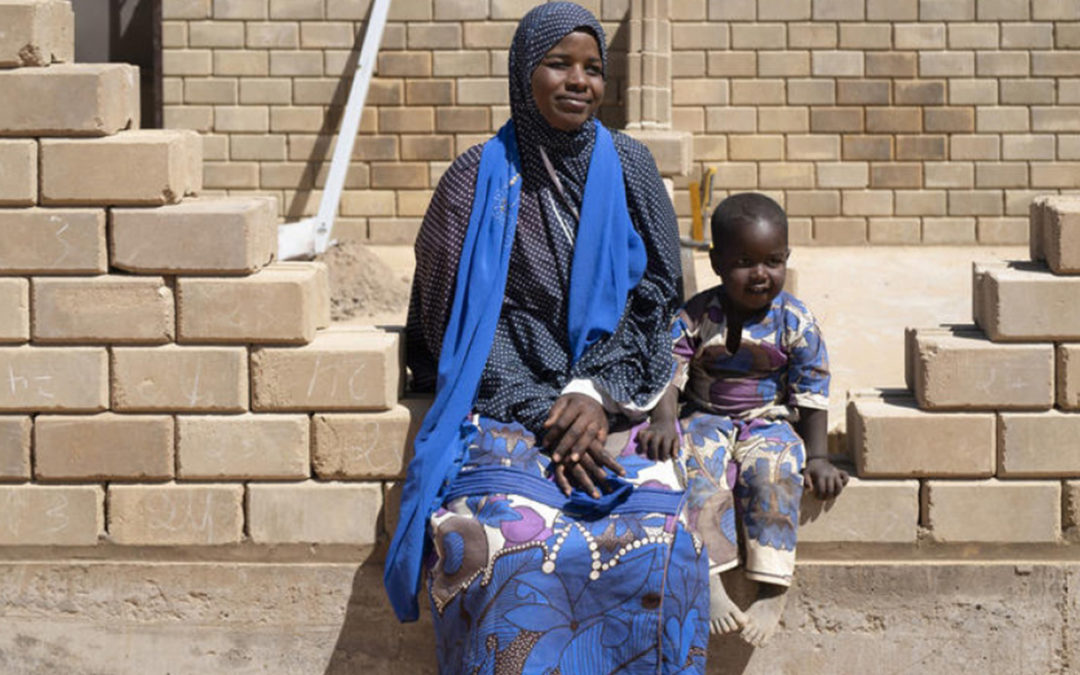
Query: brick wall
[(881, 121)]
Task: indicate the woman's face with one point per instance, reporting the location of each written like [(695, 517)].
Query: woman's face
[(568, 85)]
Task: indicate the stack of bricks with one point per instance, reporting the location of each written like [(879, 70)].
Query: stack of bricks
[(165, 381), (991, 422)]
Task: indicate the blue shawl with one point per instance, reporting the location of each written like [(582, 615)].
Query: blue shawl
[(609, 260)]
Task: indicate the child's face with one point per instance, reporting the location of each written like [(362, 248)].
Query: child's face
[(752, 263)]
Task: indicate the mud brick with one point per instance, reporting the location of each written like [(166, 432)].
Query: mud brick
[(144, 167), (894, 231), (314, 513), (843, 174), (862, 92), (839, 120), (1028, 146), (970, 146), (274, 305), (38, 379), (18, 166), (896, 175), (104, 447), (952, 230), (813, 147), (878, 511), (366, 445), (1004, 230), (242, 447), (202, 236), (15, 447), (867, 203), (1061, 234), (920, 36), (174, 378), (107, 308), (993, 511), (920, 92), (973, 92), (786, 175), (1036, 217), (974, 35), (342, 369), (1026, 301), (36, 33), (840, 231), (176, 515), (14, 310), (949, 120), (1038, 445), (44, 515), (889, 437), (892, 10), (920, 202), (813, 203), (322, 285), (812, 92), (894, 119), (76, 99), (1068, 376), (998, 175), (976, 203), (892, 64), (962, 370), (875, 148)]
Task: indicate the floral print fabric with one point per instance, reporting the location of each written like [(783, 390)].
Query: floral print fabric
[(744, 460), (518, 586)]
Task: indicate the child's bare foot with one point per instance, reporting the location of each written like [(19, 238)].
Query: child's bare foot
[(763, 616), (724, 615)]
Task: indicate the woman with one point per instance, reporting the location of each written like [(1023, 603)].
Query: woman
[(547, 271)]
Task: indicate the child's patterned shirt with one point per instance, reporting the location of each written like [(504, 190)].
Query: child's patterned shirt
[(781, 362)]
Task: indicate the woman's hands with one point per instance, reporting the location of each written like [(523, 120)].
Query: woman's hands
[(575, 432)]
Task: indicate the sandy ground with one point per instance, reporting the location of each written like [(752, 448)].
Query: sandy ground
[(863, 297)]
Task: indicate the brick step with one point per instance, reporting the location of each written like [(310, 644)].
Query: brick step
[(14, 310), (342, 369), (958, 368), (867, 511), (71, 99), (18, 166), (114, 309), (53, 241), (176, 515), (1068, 376), (889, 437), (243, 447), (992, 511), (1025, 301), (147, 167), (1055, 232), (1039, 445), (62, 379), (15, 431), (36, 33), (103, 447), (314, 513), (197, 236), (366, 446), (174, 378), (280, 304), (52, 515)]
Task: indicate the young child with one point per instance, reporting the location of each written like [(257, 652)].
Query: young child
[(753, 369)]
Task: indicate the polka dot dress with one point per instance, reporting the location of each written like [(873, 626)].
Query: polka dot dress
[(530, 359)]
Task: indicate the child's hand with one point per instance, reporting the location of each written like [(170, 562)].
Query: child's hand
[(824, 479), (659, 440)]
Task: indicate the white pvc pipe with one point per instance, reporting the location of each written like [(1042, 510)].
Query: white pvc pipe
[(312, 236)]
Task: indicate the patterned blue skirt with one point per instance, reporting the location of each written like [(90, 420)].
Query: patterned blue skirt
[(523, 581)]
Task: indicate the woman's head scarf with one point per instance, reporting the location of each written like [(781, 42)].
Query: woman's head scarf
[(540, 30)]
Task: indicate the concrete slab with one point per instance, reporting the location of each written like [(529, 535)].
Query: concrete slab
[(124, 618)]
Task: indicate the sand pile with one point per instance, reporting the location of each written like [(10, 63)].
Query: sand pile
[(362, 285)]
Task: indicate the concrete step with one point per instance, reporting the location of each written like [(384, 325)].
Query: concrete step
[(36, 32), (132, 168), (342, 369), (71, 99), (197, 236), (111, 308), (1025, 301), (1055, 232), (889, 437), (960, 369), (276, 305)]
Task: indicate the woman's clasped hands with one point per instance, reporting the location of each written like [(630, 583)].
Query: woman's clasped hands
[(575, 433)]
